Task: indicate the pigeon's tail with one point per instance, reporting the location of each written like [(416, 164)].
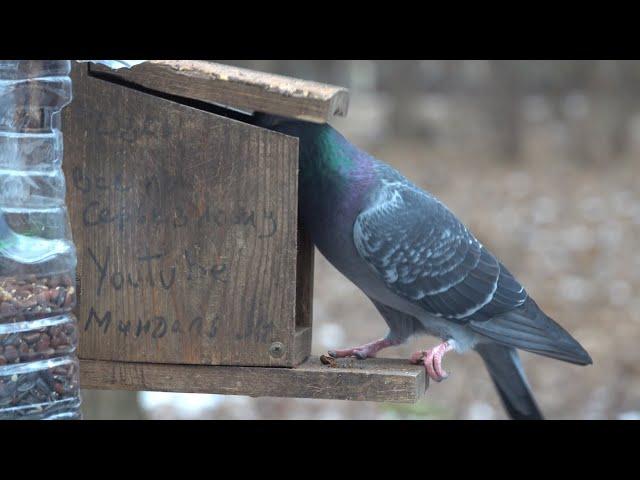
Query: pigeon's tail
[(508, 376), (528, 328)]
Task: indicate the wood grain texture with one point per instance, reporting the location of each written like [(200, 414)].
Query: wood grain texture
[(302, 344), (369, 380), (304, 270), (186, 227), (242, 89)]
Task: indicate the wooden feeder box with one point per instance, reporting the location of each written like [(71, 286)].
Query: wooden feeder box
[(194, 273)]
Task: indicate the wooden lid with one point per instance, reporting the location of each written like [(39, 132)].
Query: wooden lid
[(237, 88)]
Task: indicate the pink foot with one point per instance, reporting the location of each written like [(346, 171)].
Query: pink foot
[(363, 351), (432, 360)]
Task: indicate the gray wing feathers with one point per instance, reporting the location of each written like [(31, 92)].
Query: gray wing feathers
[(528, 328), (424, 253)]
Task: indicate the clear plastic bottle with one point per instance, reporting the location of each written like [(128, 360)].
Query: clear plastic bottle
[(38, 334)]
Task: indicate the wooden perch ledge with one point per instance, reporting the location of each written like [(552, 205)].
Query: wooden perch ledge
[(388, 380)]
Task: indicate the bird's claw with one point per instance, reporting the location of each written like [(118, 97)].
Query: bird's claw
[(432, 360)]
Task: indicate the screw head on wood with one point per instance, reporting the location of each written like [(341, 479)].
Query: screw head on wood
[(276, 350)]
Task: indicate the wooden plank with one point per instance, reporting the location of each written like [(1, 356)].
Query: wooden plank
[(380, 380), (238, 88), (304, 277), (186, 227), (301, 344)]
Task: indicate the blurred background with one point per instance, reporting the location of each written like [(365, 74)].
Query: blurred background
[(541, 159)]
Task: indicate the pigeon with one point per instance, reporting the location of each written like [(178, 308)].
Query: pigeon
[(423, 269)]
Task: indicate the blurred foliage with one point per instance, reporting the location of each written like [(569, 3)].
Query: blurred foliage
[(110, 405), (422, 410), (595, 101)]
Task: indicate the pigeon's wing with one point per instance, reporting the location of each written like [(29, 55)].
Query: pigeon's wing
[(425, 254)]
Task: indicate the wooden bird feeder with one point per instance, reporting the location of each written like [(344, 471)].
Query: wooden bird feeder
[(194, 273)]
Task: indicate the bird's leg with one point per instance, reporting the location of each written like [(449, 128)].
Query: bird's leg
[(432, 360), (364, 351)]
